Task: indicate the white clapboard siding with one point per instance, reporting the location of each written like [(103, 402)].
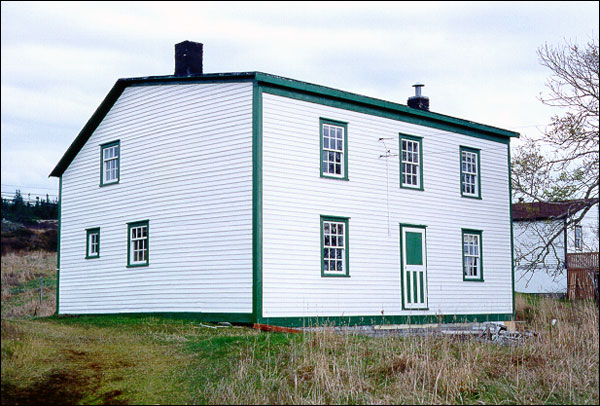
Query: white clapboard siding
[(294, 197), (590, 232), (186, 166)]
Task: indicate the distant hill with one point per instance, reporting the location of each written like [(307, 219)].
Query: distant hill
[(40, 235)]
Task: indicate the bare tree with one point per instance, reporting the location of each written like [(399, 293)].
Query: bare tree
[(563, 163)]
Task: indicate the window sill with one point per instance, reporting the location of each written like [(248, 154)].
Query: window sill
[(137, 265), (412, 188), (334, 177), (471, 197), (472, 280)]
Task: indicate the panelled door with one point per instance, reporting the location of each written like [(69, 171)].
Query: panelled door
[(414, 267)]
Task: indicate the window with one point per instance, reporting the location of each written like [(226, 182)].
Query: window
[(472, 258), (92, 243), (334, 149), (578, 237), (334, 246), (110, 157), (469, 173), (137, 249), (411, 162)]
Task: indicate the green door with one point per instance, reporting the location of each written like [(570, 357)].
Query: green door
[(414, 267)]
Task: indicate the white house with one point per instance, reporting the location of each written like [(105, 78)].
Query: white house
[(249, 197), (544, 270)]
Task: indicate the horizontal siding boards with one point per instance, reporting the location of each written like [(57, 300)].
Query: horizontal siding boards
[(590, 228), (294, 198), (186, 166)]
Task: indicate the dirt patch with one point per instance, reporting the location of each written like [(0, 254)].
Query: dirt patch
[(66, 387)]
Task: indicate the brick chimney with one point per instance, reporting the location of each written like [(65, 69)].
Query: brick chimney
[(188, 58)]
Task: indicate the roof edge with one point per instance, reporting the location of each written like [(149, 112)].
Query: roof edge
[(266, 78)]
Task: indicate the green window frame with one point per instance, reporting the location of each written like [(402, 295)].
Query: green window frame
[(110, 163), (411, 162), (472, 255), (138, 238), (335, 252), (92, 243), (334, 148), (470, 172)]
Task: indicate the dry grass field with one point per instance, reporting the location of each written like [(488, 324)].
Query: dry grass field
[(152, 360)]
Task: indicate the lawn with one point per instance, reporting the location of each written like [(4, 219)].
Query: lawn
[(161, 360)]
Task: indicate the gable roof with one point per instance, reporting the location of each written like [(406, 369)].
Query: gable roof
[(416, 116), (548, 210)]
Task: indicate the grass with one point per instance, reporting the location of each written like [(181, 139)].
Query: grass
[(148, 360), (21, 277)]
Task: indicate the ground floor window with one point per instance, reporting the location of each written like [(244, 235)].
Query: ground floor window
[(472, 258), (138, 236), (334, 246), (92, 243)]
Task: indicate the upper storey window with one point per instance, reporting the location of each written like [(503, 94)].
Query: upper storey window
[(334, 149), (470, 176), (110, 159), (411, 162)]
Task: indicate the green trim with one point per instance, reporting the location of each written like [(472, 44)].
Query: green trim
[(512, 239), (478, 152), (292, 88), (424, 227), (88, 233), (102, 148), (60, 180), (390, 113), (337, 123), (420, 141), (344, 220), (129, 227), (417, 114), (371, 320), (257, 225), (191, 316), (480, 234)]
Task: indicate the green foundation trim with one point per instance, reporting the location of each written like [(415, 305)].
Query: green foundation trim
[(374, 320)]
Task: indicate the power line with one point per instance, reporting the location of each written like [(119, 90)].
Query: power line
[(29, 187)]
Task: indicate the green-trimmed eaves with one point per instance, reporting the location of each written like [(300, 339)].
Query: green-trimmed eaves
[(289, 87)]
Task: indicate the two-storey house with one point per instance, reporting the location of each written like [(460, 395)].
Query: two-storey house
[(249, 197)]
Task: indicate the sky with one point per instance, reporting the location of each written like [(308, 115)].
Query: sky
[(478, 60)]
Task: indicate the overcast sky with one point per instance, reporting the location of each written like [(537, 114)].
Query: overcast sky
[(477, 60)]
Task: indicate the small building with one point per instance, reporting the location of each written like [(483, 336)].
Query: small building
[(540, 232), (249, 197)]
